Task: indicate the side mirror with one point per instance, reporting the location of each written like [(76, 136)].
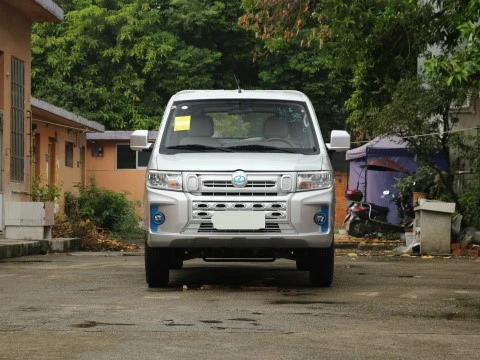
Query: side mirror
[(139, 140), (339, 141)]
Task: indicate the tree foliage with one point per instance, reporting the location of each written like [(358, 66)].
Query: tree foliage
[(119, 61), (378, 41), (458, 53), (410, 64)]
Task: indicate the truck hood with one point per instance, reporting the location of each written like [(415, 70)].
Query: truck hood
[(239, 161)]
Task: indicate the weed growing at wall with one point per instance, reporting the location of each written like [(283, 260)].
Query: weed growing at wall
[(43, 192)]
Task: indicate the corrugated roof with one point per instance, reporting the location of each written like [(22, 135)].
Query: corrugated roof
[(38, 10), (75, 119)]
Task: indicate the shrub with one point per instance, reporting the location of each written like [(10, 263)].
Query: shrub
[(422, 180), (470, 200), (107, 209)]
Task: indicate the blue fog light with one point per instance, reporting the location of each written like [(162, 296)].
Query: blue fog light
[(157, 218), (320, 218)]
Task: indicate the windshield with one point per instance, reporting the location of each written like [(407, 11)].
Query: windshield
[(239, 126)]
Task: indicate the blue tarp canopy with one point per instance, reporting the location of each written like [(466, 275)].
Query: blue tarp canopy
[(374, 167)]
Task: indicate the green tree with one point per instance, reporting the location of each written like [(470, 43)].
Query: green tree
[(381, 42), (458, 55), (118, 61), (371, 45)]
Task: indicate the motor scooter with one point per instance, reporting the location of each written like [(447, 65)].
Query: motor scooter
[(367, 219)]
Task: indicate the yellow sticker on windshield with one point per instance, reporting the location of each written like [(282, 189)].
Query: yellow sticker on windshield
[(182, 123)]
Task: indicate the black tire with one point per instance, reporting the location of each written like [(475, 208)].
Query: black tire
[(356, 229), (321, 266), (156, 266), (176, 264), (302, 264)]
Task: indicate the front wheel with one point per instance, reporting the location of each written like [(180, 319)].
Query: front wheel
[(156, 266), (357, 228), (321, 265)]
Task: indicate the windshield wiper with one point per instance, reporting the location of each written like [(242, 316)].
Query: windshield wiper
[(256, 147), (198, 147)]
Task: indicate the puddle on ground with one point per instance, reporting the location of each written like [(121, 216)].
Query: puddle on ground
[(29, 309), (91, 324), (211, 321), (305, 302), (243, 319)]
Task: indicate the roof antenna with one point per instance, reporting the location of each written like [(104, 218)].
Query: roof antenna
[(238, 84)]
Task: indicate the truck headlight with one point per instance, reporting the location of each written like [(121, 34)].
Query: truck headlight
[(164, 180), (314, 180)]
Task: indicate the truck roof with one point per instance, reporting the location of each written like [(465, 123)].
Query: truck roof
[(289, 95)]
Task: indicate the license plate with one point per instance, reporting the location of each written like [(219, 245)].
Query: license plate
[(238, 220)]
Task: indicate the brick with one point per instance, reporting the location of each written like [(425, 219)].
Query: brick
[(456, 246), (457, 252), (471, 252)]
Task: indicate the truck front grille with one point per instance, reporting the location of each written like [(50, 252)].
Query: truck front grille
[(215, 192)]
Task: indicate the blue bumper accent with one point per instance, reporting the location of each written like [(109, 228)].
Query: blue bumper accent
[(321, 218), (157, 218)]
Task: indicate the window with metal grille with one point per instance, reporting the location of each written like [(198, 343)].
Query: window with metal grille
[(17, 126), (69, 154)]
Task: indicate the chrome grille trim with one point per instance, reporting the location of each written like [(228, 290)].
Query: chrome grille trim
[(273, 210), (263, 184), (228, 184), (233, 193)]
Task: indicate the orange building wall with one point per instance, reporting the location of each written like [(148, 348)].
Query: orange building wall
[(14, 41), (103, 169), (341, 206), (65, 178)]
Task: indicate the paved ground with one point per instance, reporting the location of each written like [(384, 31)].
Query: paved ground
[(97, 306)]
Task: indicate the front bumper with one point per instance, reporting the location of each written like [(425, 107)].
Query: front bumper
[(289, 219)]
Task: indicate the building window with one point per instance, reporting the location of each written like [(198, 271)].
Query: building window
[(129, 159), (17, 124), (68, 154), (142, 158)]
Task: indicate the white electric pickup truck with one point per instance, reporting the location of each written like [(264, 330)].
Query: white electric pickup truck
[(239, 175)]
